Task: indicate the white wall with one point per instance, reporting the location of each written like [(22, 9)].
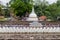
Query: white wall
[(24, 29)]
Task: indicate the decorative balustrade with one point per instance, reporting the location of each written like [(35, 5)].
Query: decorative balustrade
[(24, 27), (21, 28)]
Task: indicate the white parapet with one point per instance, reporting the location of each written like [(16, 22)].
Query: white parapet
[(29, 29)]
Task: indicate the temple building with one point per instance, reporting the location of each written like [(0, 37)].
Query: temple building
[(32, 16), (31, 29)]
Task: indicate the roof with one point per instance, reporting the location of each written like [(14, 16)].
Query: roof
[(43, 17)]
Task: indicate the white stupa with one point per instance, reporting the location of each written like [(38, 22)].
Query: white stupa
[(32, 16)]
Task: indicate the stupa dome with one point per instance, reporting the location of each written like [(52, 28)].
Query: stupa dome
[(32, 16), (32, 13)]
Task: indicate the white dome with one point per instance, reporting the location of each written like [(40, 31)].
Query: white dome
[(32, 13), (32, 16)]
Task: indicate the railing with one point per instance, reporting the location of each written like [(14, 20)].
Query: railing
[(23, 26), (29, 29)]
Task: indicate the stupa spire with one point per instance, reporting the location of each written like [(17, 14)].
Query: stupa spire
[(32, 16), (33, 10)]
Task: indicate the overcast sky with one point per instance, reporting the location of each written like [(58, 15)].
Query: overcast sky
[(51, 1), (5, 1)]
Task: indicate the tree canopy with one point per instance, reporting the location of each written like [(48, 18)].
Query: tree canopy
[(1, 10), (21, 6), (51, 11)]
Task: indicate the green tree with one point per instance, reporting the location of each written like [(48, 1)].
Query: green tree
[(58, 3), (40, 9), (21, 7), (54, 10), (1, 10)]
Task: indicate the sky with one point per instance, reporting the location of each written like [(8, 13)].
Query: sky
[(51, 1), (6, 1)]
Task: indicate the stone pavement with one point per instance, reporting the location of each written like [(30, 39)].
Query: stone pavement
[(29, 36)]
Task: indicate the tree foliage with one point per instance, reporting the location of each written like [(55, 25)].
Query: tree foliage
[(1, 10), (21, 7), (52, 11), (41, 8)]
